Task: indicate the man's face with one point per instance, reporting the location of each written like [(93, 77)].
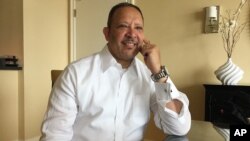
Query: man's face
[(125, 34)]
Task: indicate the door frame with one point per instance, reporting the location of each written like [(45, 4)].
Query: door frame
[(72, 28)]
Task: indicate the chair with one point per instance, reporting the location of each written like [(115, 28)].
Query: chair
[(54, 75)]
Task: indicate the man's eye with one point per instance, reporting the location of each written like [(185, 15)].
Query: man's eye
[(139, 28), (123, 26)]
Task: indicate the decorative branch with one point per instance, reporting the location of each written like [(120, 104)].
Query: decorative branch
[(230, 28)]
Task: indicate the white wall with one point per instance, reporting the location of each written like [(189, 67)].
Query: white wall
[(45, 48), (9, 105)]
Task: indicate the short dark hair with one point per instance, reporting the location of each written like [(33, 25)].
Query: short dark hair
[(118, 6)]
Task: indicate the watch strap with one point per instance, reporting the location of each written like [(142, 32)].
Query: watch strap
[(163, 73)]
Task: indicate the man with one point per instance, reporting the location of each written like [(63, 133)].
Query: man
[(108, 96)]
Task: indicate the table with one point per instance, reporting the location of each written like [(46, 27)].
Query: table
[(200, 131), (203, 131)]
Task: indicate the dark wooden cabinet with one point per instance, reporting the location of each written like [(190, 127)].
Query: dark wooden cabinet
[(227, 104)]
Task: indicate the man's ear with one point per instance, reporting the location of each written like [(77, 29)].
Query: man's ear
[(106, 33)]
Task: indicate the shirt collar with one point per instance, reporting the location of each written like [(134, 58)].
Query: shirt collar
[(107, 60)]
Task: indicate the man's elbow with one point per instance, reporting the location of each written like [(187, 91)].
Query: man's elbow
[(182, 130)]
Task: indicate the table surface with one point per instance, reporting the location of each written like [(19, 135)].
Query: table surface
[(203, 131), (200, 131)]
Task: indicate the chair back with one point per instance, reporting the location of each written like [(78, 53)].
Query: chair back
[(54, 75)]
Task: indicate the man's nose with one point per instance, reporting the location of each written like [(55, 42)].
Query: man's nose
[(131, 32)]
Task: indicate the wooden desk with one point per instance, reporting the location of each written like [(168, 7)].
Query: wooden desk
[(227, 104)]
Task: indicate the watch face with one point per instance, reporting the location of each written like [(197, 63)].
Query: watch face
[(165, 70)]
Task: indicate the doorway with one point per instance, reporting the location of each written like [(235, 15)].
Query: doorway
[(87, 19)]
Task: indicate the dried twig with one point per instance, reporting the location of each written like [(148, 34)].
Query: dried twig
[(231, 29)]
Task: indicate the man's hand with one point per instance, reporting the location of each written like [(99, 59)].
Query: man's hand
[(151, 55)]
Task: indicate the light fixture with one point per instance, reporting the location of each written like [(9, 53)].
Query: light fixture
[(212, 19)]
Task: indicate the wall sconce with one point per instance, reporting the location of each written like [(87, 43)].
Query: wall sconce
[(212, 19)]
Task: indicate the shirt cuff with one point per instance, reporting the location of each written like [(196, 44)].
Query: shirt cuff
[(165, 92)]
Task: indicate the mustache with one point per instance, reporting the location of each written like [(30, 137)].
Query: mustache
[(131, 40)]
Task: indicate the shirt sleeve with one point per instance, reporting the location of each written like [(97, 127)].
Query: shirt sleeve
[(62, 109), (169, 121)]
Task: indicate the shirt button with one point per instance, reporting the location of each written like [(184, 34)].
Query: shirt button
[(165, 90)]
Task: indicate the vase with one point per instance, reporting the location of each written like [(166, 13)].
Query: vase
[(229, 73)]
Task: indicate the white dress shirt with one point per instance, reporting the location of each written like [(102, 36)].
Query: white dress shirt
[(95, 99)]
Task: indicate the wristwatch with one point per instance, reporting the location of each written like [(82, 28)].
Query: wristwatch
[(163, 73)]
